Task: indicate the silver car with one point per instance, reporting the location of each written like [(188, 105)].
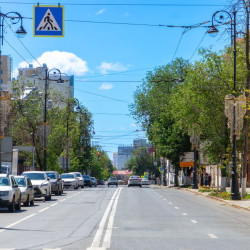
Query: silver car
[(10, 193), (69, 180), (80, 179), (27, 190), (134, 181)]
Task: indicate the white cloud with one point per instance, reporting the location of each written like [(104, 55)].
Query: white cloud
[(66, 62), (106, 86), (105, 67), (100, 12)]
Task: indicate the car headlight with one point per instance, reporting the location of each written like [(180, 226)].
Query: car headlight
[(4, 193)]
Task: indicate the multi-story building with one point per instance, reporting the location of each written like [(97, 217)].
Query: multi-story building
[(124, 154), (36, 77), (115, 159)]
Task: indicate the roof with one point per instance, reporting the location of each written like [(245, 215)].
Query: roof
[(122, 172)]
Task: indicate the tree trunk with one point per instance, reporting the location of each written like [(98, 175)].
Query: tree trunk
[(223, 184)]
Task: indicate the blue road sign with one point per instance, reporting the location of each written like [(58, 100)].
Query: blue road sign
[(48, 21)]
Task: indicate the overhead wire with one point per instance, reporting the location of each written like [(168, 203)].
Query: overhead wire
[(198, 46)]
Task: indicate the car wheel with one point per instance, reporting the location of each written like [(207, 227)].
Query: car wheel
[(18, 205), (140, 186), (11, 207), (128, 185), (48, 197), (27, 202), (32, 202), (108, 185)]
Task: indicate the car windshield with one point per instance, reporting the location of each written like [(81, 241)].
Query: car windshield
[(112, 179), (86, 177), (78, 175), (4, 181), (35, 176), (67, 176), (20, 182), (51, 175), (92, 178)]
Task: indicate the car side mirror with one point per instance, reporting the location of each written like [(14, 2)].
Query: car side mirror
[(48, 178), (30, 186), (15, 186)]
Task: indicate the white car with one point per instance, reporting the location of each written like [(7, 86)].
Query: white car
[(134, 181), (145, 181), (80, 179), (27, 190), (10, 193), (70, 180), (41, 183)]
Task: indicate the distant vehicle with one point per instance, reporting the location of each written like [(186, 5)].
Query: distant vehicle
[(10, 193), (27, 190), (101, 182), (121, 182), (87, 180), (145, 181), (41, 183), (94, 181), (56, 182), (69, 180), (134, 181), (112, 181), (80, 179), (5, 169)]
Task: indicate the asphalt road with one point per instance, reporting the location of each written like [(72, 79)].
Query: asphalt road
[(126, 218)]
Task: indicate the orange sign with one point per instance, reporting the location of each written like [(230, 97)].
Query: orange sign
[(184, 164)]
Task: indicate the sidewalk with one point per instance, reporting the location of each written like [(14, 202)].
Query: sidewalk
[(244, 204)]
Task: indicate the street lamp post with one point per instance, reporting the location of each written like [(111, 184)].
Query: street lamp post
[(15, 18), (47, 79), (219, 17)]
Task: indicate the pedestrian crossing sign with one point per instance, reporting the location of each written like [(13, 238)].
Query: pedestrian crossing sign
[(48, 20)]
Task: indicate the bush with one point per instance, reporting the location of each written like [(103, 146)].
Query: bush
[(223, 195)]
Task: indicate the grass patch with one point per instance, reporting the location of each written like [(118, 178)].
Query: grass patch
[(223, 195), (247, 197)]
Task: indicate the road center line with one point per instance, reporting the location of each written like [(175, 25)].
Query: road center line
[(54, 204), (17, 222), (194, 221), (98, 235), (108, 233), (42, 210), (62, 200), (213, 236)]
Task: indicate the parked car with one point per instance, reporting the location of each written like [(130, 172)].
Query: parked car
[(87, 180), (112, 181), (145, 181), (56, 182), (27, 190), (70, 180), (101, 182), (134, 181), (94, 181), (10, 193), (80, 179), (41, 183)]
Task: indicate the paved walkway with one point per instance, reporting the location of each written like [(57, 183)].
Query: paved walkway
[(245, 204)]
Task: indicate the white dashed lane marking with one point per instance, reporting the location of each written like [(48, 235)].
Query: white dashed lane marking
[(184, 214), (194, 221), (213, 236), (42, 210)]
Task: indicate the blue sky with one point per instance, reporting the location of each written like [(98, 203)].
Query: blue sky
[(104, 56)]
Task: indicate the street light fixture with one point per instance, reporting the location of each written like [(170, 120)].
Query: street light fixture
[(14, 17), (220, 18)]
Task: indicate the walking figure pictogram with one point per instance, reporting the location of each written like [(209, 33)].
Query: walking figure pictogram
[(47, 21)]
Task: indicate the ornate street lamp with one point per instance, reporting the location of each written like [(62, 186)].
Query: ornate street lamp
[(221, 18), (15, 18)]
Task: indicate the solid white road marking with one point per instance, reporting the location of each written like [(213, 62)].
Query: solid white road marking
[(42, 210), (213, 236), (108, 234), (98, 235), (17, 222), (194, 221), (184, 213), (62, 200)]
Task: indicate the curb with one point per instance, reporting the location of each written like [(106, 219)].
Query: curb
[(207, 196)]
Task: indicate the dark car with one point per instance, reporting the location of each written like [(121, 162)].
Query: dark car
[(101, 182), (112, 181), (87, 181), (56, 182)]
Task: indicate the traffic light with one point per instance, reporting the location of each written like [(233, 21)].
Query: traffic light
[(98, 154)]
